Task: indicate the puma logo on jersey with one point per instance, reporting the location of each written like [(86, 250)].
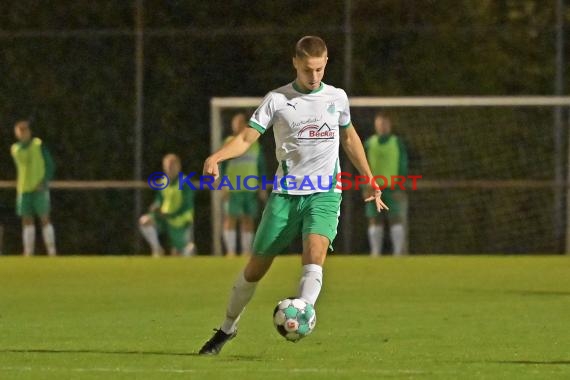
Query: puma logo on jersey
[(294, 106)]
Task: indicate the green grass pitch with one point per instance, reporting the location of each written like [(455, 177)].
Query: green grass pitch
[(411, 318)]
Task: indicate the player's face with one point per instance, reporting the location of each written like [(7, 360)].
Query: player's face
[(22, 131), (310, 71), (382, 126), (171, 167)]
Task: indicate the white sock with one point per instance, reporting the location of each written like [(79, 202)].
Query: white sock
[(29, 238), (49, 238), (246, 240), (151, 236), (311, 283), (240, 295), (397, 235), (375, 239), (230, 241)]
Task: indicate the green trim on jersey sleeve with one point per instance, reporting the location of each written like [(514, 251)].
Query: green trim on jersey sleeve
[(347, 125), (256, 126)]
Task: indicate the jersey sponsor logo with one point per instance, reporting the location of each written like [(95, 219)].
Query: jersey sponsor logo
[(293, 105), (314, 132)]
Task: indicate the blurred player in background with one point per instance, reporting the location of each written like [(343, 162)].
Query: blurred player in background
[(388, 157), (172, 213), (35, 168), (310, 121), (241, 204)]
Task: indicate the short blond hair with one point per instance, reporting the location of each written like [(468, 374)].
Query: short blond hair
[(310, 46)]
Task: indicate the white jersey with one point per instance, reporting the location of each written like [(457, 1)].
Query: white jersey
[(306, 128)]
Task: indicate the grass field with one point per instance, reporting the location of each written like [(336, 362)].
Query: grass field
[(413, 318)]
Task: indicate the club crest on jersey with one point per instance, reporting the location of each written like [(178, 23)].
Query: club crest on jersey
[(314, 132), (331, 108)]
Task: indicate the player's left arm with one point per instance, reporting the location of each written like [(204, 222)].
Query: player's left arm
[(354, 149)]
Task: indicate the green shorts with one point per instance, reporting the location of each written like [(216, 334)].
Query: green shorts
[(397, 206), (242, 203), (287, 216), (179, 237), (33, 204)]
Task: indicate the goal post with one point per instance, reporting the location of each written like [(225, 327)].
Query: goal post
[(493, 138)]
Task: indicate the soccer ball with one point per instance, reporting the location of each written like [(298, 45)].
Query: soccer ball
[(294, 318)]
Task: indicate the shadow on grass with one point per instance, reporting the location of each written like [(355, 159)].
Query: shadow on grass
[(534, 362), (538, 293), (121, 352)]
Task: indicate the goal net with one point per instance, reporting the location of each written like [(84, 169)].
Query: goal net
[(494, 172)]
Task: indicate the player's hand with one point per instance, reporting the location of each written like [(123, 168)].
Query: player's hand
[(211, 168), (377, 197), (367, 193)]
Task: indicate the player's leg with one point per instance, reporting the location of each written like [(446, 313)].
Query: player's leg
[(247, 224), (319, 230), (396, 216), (314, 253), (41, 202), (190, 248), (230, 235), (24, 209), (230, 222), (28, 235), (276, 230), (375, 230), (149, 230), (246, 234)]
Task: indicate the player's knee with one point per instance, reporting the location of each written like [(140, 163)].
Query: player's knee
[(256, 268), (145, 220), (247, 223), (27, 221)]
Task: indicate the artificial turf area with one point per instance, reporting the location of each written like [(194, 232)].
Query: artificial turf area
[(412, 318)]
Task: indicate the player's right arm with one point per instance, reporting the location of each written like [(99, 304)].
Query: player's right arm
[(235, 148)]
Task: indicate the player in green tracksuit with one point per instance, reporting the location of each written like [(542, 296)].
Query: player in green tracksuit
[(35, 169), (388, 157), (171, 213), (241, 203)]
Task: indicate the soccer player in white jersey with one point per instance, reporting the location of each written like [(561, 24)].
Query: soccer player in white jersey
[(310, 120)]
